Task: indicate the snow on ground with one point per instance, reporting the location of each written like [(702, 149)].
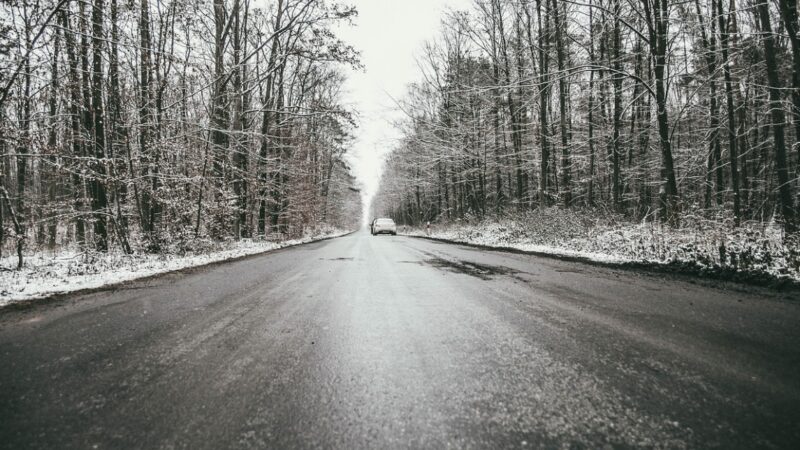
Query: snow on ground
[(753, 251), (48, 274)]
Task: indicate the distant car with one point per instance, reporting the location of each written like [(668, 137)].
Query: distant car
[(384, 226)]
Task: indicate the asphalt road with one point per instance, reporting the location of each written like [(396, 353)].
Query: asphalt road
[(396, 342)]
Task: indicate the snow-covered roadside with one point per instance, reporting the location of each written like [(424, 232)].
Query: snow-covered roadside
[(46, 275), (500, 241), (746, 253)]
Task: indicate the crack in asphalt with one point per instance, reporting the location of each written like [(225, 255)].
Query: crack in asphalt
[(482, 271), (473, 269)]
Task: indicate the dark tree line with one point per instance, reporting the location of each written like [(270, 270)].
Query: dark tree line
[(653, 109), (138, 123)]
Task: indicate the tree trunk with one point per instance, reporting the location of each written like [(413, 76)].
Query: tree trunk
[(239, 150), (76, 136), (23, 147), (732, 139), (777, 116), (97, 182), (616, 189), (563, 96), (148, 199), (117, 130), (544, 93), (790, 22), (51, 183), (590, 192), (657, 17)]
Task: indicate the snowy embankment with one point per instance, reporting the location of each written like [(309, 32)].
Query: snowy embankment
[(45, 275), (752, 252)]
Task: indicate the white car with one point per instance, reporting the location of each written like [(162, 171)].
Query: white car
[(384, 226)]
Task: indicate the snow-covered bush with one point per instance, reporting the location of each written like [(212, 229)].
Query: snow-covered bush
[(699, 245), (69, 269)]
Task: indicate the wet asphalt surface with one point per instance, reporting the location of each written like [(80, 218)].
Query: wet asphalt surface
[(396, 342)]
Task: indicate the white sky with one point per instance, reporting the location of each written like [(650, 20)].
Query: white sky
[(390, 35)]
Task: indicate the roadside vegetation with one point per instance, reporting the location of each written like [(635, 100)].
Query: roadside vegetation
[(646, 131), (753, 252), (163, 128), (46, 274)]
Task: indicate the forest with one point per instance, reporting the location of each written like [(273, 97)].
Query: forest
[(649, 111), (140, 126)]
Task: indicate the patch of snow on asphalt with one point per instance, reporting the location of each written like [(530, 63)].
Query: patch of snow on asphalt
[(45, 275)]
